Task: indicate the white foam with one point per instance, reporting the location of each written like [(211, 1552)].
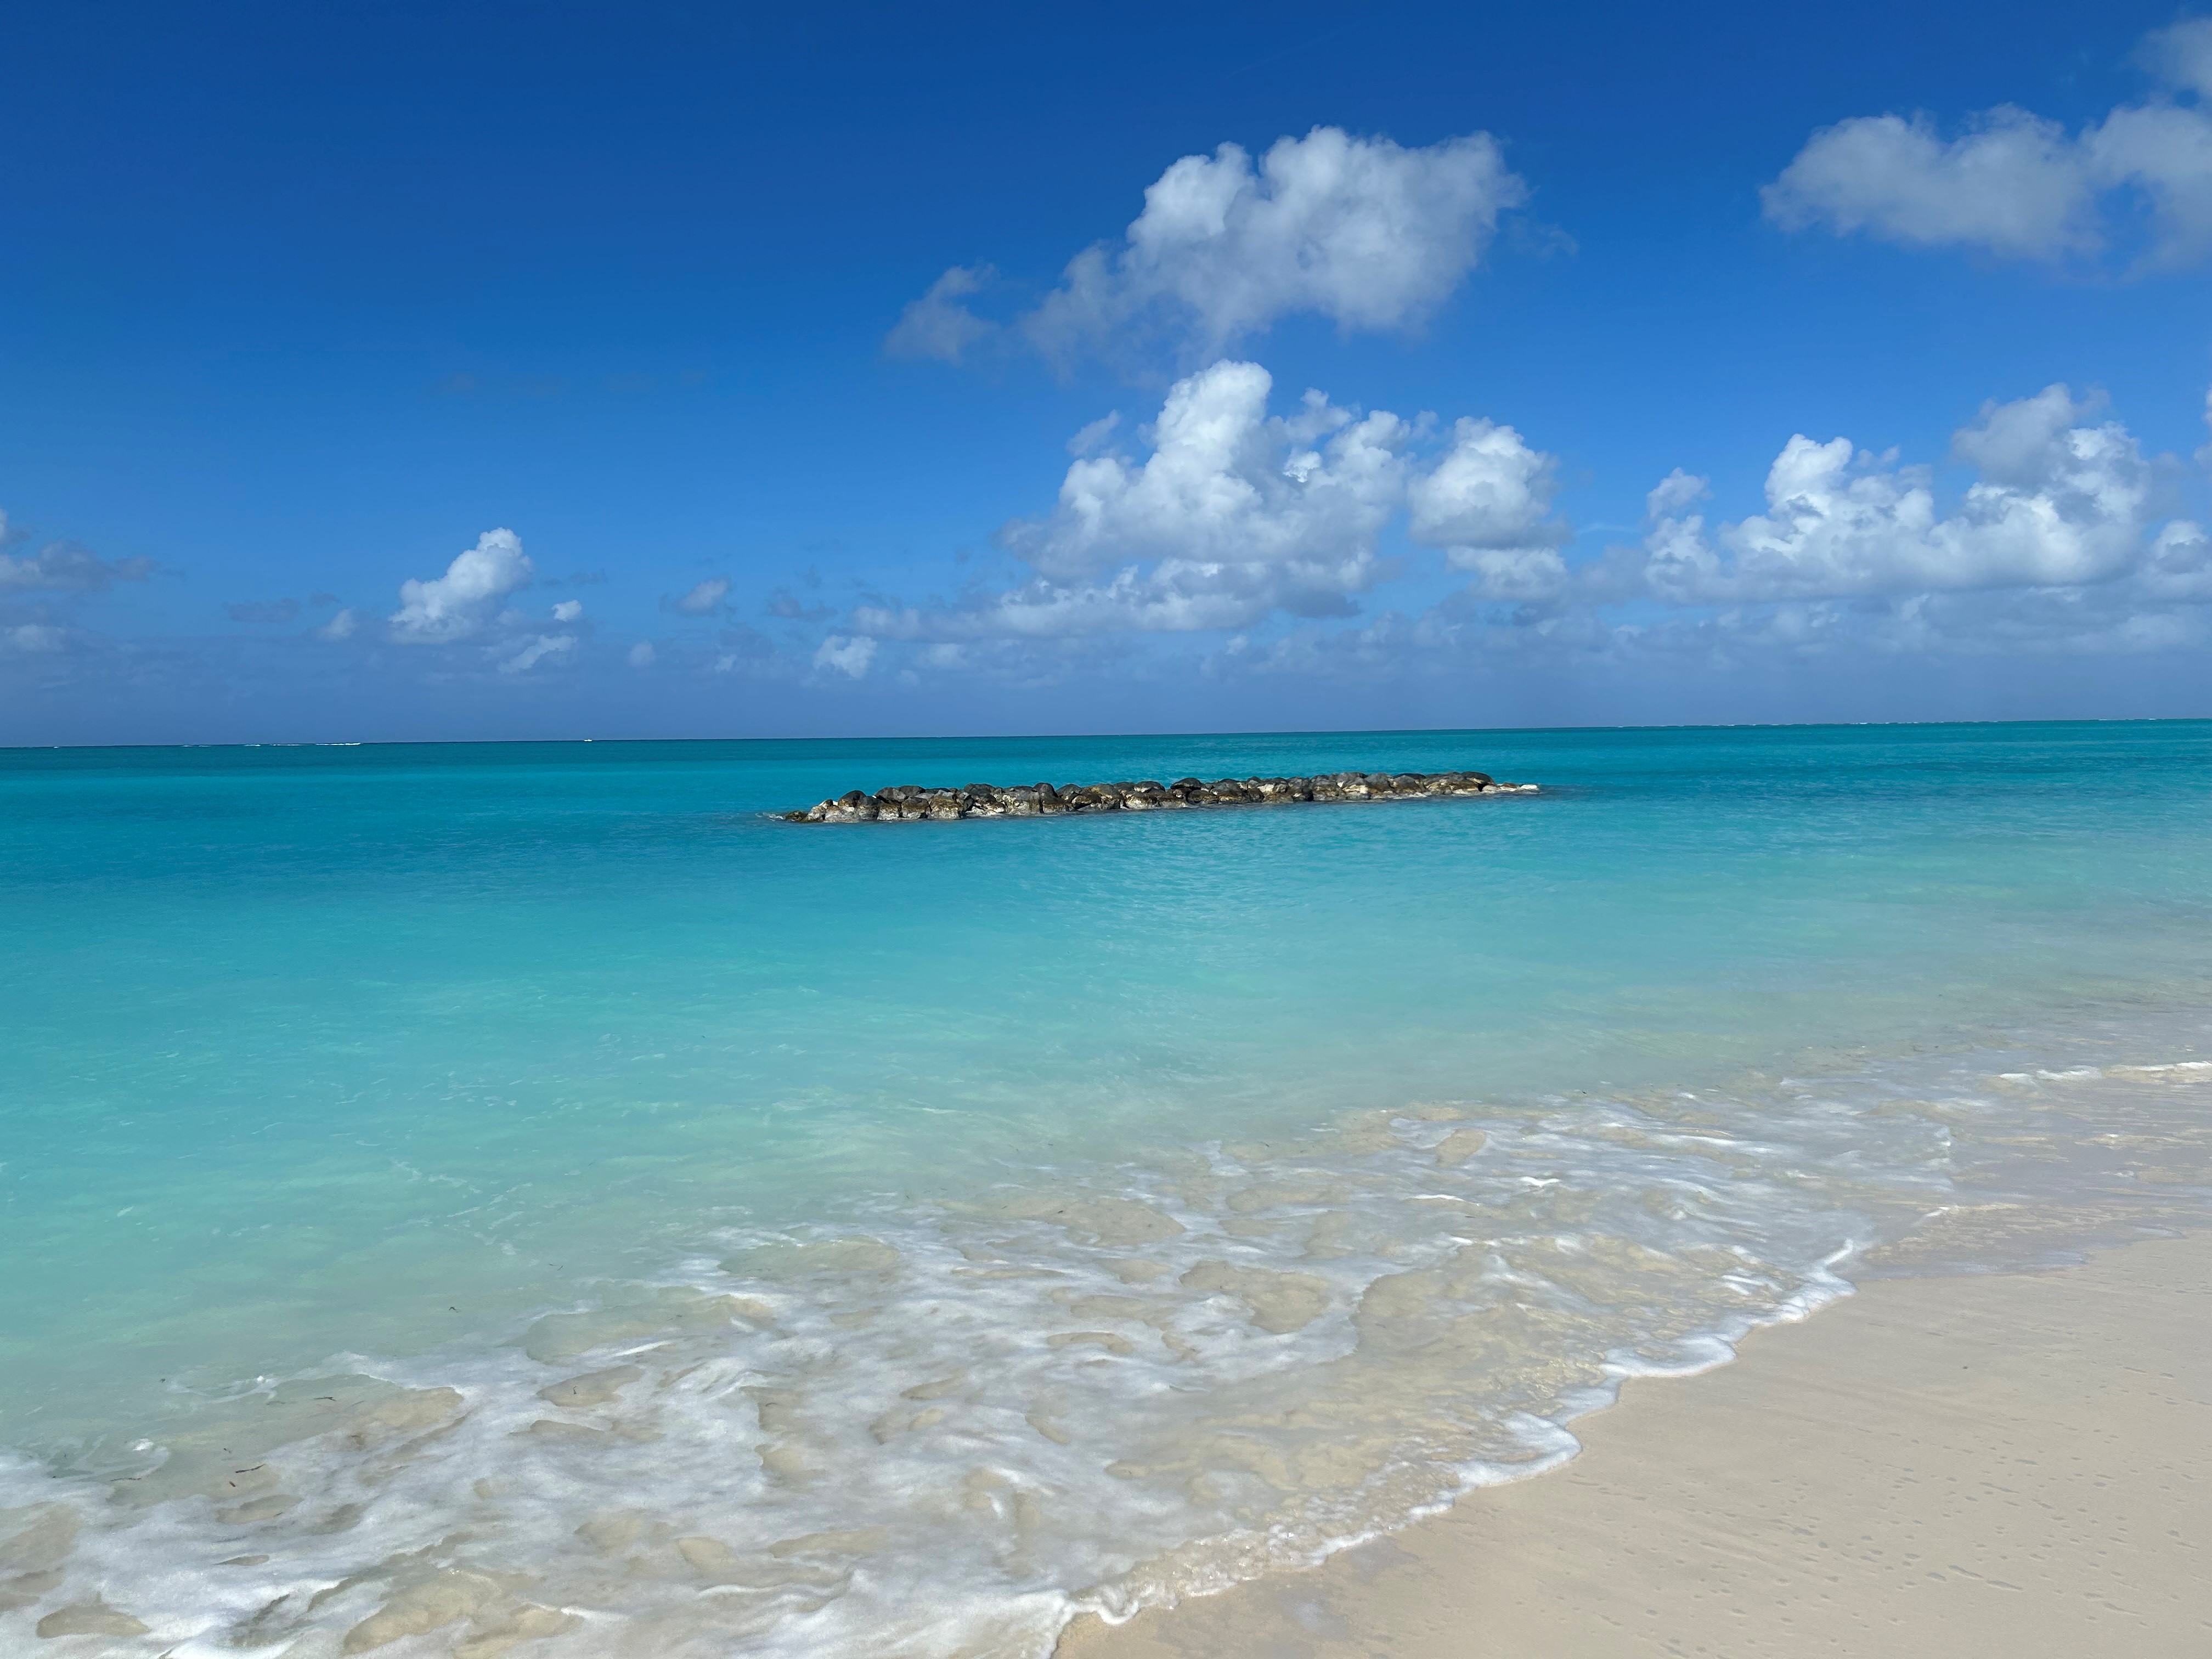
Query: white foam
[(921, 1430)]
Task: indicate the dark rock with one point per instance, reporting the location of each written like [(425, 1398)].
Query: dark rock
[(907, 802)]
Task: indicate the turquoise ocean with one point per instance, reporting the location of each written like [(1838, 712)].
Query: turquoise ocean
[(465, 1200)]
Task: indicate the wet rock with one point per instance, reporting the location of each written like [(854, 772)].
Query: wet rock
[(909, 803)]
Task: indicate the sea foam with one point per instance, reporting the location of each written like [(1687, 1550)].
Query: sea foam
[(939, 1429)]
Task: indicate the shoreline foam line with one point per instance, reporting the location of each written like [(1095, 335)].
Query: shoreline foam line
[(908, 802), (1939, 1466)]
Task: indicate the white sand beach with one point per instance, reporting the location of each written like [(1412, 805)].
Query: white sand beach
[(1996, 1465)]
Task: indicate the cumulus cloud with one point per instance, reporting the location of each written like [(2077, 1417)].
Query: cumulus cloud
[(1091, 439), (546, 647), (568, 610), (1488, 503), (641, 655), (460, 603), (2180, 563), (1674, 492), (850, 656), (2180, 55), (1513, 572), (2012, 182), (1362, 231), (938, 325), (2015, 184), (2059, 546), (703, 600), (2055, 534), (65, 568), (1236, 515), (1225, 483), (2058, 501), (340, 626)]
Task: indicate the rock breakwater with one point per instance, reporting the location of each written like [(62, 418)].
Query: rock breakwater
[(908, 802)]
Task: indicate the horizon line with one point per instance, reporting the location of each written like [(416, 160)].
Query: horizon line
[(1107, 737)]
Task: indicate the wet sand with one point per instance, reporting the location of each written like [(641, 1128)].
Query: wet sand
[(1993, 1465)]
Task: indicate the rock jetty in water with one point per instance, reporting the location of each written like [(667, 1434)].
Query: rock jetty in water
[(908, 802)]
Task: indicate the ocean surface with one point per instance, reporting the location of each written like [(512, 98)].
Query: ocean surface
[(464, 1199)]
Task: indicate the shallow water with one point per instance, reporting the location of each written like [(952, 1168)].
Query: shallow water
[(470, 1198)]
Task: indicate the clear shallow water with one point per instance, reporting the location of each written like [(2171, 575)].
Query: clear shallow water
[(468, 1198)]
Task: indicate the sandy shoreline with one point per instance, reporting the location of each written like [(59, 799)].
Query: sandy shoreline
[(1993, 1465)]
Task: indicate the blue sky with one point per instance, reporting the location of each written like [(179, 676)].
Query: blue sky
[(465, 371)]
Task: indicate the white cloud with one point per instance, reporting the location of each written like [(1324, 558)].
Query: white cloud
[(1674, 492), (2181, 55), (937, 324), (459, 604), (2180, 563), (2016, 184), (1362, 231), (1236, 515), (703, 600), (35, 639), (63, 567), (340, 626), (1232, 518), (568, 610), (847, 656), (642, 654), (1513, 572), (2057, 549), (1094, 436), (2058, 502), (1225, 483), (1488, 504), (2164, 151), (2121, 618), (2013, 182), (546, 647)]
